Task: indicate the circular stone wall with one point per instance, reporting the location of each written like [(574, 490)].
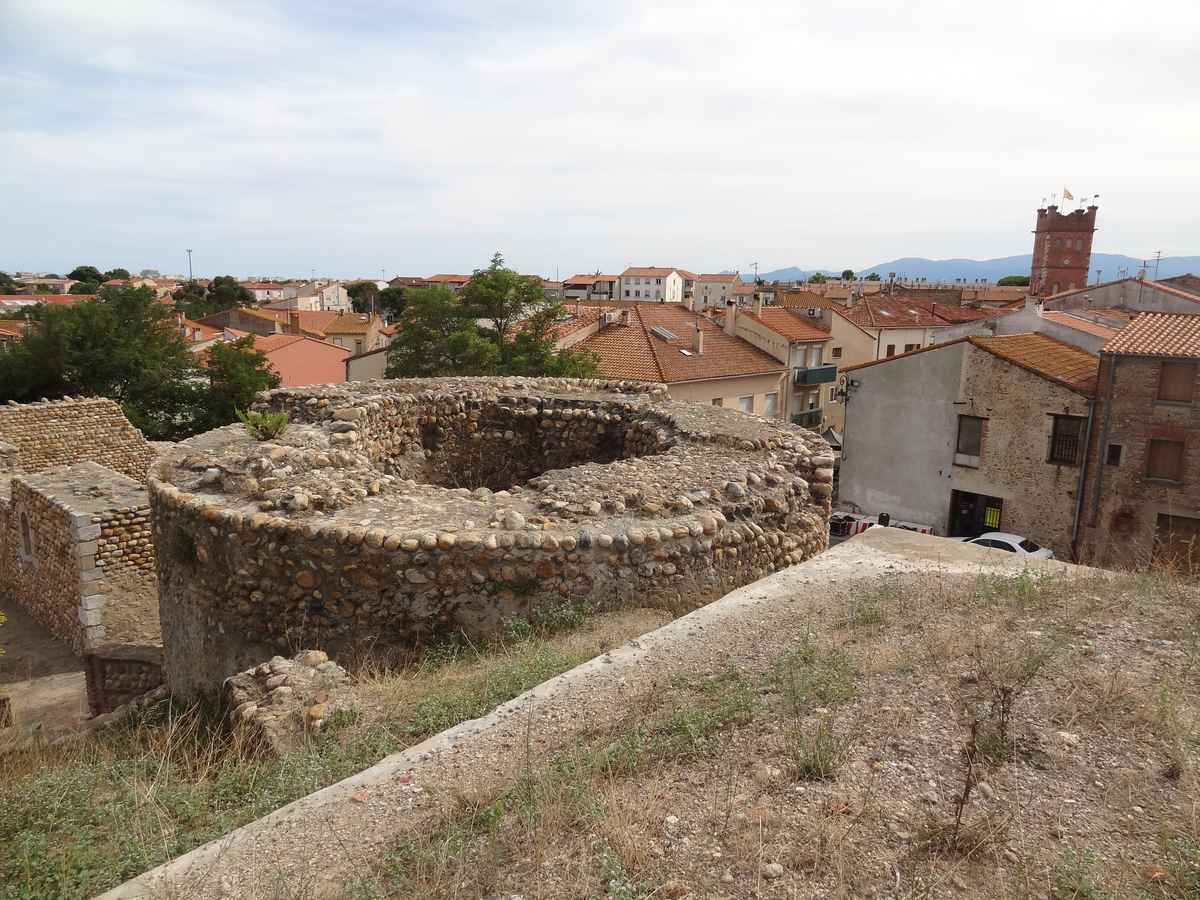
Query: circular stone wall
[(390, 512)]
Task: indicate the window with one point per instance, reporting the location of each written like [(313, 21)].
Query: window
[(637, 293), (771, 405), (833, 394), (1078, 244), (1066, 439), (718, 401), (891, 349), (909, 348), (1164, 459), (746, 404), (1113, 455), (1177, 382), (836, 353), (626, 292), (658, 281), (970, 436)]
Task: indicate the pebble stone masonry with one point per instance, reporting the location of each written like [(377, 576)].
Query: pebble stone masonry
[(390, 512)]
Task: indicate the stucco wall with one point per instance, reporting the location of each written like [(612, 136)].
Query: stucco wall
[(309, 362), (367, 367), (898, 445), (730, 389)]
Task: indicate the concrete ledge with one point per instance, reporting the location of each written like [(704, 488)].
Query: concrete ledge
[(746, 627)]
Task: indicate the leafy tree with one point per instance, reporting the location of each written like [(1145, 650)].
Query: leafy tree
[(362, 293), (847, 274), (116, 273), (502, 296), (531, 351), (86, 273), (85, 287), (1014, 281), (192, 300), (390, 302), (874, 276), (438, 337), (236, 372), (817, 278), (8, 284), (225, 293)]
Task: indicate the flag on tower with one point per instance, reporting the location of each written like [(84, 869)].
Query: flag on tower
[(1067, 195)]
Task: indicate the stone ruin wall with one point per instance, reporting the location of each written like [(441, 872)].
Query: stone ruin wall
[(63, 432), (238, 586), (125, 545), (45, 583)]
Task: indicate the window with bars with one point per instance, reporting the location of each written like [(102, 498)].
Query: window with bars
[(1066, 440), (970, 436)]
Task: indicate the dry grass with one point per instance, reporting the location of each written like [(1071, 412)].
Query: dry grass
[(838, 770)]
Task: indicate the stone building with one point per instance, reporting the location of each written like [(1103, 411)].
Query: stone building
[(74, 514), (1142, 496), (980, 434), (1062, 250)]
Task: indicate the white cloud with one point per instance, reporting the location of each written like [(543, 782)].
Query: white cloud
[(593, 135)]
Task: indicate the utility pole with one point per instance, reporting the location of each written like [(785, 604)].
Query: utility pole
[(755, 264), (189, 253), (1157, 260)]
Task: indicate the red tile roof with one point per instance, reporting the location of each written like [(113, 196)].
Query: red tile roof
[(635, 351), (1045, 356), (590, 279), (787, 324), (892, 312), (313, 321), (1038, 353), (351, 323), (727, 277), (449, 279), (648, 271), (1085, 325), (261, 285), (1159, 334)]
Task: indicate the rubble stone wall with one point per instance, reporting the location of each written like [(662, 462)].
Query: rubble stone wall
[(125, 544), (40, 564), (119, 675), (63, 432), (388, 514)]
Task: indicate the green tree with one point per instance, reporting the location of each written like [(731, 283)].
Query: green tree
[(362, 293), (874, 276), (236, 372), (502, 296), (85, 287), (532, 349), (390, 302), (847, 274), (225, 293), (439, 337), (116, 273), (85, 273), (1014, 281), (817, 278), (123, 345), (192, 300), (8, 284)]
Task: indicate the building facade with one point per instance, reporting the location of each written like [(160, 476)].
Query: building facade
[(653, 283)]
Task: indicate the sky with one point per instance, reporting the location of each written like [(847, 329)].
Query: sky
[(355, 137)]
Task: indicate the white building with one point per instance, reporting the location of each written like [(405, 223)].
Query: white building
[(713, 290), (663, 285)]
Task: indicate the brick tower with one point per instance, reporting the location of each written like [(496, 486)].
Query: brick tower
[(1062, 250)]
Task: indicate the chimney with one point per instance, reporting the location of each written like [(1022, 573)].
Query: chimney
[(690, 300), (293, 321), (698, 339), (758, 303), (625, 316), (731, 318), (578, 307)]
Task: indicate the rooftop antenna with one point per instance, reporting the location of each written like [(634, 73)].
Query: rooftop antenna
[(755, 264), (1157, 260)]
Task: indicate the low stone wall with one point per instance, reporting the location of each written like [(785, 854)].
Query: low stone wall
[(119, 675), (342, 534), (63, 432)]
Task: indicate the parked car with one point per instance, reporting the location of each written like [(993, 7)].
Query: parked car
[(1013, 543)]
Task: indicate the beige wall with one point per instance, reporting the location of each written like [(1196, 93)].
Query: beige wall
[(366, 368), (730, 389), (857, 347)]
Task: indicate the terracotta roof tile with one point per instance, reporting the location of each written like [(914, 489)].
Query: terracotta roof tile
[(313, 321), (787, 324), (449, 279), (635, 351), (1038, 353), (351, 323), (726, 277), (1085, 325), (648, 271), (892, 312), (1045, 356), (1159, 334)]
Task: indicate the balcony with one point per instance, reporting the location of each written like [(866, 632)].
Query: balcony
[(815, 375), (809, 419)]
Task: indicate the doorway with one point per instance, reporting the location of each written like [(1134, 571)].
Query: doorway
[(973, 514)]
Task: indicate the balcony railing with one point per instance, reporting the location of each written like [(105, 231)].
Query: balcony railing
[(809, 419), (816, 375)]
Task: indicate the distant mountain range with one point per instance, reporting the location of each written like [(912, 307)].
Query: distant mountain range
[(991, 269)]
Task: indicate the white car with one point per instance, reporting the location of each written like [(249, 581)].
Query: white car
[(1013, 543)]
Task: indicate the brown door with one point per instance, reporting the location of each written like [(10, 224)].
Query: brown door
[(1177, 544)]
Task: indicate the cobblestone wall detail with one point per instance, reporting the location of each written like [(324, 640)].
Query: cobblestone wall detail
[(63, 432)]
